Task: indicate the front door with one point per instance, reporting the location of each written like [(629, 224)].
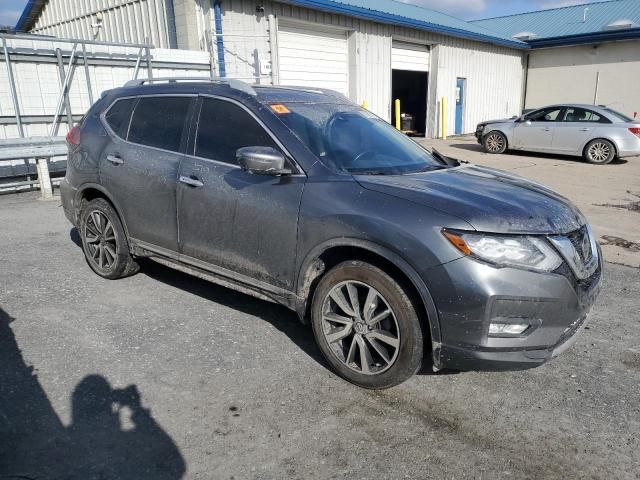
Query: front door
[(460, 91), (227, 217), (141, 169), (535, 133)]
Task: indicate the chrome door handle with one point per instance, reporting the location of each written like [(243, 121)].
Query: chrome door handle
[(115, 159), (546, 129), (585, 129), (192, 182)]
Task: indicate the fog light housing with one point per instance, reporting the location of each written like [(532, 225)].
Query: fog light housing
[(508, 329)]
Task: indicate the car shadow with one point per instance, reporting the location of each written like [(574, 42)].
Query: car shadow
[(472, 147), (285, 320), (34, 443)]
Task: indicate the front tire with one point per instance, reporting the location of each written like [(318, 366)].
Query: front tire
[(599, 152), (366, 326), (495, 142), (104, 241)]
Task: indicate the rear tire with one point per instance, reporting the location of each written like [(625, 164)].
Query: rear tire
[(599, 152), (104, 241), (494, 142), (366, 326)]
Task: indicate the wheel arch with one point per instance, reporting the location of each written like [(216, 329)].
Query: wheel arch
[(332, 252), (91, 191), (501, 131), (610, 140)]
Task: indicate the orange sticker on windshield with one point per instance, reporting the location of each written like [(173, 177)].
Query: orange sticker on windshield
[(280, 109)]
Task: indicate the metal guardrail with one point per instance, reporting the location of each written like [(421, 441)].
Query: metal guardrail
[(32, 147), (42, 149)]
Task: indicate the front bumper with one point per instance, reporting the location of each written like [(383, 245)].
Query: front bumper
[(469, 295), (478, 133)]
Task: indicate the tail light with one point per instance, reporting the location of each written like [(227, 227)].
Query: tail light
[(635, 131), (73, 137)]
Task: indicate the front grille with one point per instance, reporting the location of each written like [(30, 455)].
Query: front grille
[(580, 250)]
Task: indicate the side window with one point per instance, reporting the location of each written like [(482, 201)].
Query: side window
[(547, 115), (575, 114), (224, 127), (118, 115), (159, 121)]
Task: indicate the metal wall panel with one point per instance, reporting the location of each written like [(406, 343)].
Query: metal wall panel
[(606, 75), (128, 21)]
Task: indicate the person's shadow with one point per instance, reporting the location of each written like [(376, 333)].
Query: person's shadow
[(35, 444)]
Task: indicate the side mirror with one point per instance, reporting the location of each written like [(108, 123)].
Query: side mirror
[(262, 161)]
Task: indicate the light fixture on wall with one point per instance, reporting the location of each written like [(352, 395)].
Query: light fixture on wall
[(259, 9), (97, 25)]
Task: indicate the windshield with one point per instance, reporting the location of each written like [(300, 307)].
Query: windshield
[(619, 116), (352, 139)]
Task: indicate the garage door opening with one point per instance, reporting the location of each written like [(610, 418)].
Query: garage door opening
[(409, 81), (411, 89)]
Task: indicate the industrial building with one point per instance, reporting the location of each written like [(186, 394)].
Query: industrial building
[(447, 73), (580, 54), (372, 51)]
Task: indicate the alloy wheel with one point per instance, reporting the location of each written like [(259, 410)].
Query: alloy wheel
[(360, 327), (495, 142), (100, 239), (599, 152)]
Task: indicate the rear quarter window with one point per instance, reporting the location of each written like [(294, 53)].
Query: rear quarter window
[(118, 115)]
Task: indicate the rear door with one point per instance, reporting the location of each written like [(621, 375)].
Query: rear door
[(535, 133), (577, 126), (228, 218), (140, 167)]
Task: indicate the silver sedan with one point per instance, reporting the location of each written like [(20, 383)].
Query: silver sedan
[(596, 133)]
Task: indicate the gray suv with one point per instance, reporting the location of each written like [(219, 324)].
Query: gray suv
[(393, 254)]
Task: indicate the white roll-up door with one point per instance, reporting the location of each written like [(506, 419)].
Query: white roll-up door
[(410, 56), (313, 57)]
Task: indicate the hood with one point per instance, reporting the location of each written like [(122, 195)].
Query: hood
[(501, 120), (488, 199)]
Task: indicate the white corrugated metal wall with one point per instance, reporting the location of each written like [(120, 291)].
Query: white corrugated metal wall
[(129, 21), (494, 74)]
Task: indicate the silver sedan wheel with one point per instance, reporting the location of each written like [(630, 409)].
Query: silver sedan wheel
[(599, 152), (495, 142), (360, 328), (100, 239)]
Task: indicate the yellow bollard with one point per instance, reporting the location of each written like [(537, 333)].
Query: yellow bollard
[(443, 117), (398, 122), (365, 104)]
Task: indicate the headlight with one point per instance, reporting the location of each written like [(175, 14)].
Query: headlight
[(507, 251)]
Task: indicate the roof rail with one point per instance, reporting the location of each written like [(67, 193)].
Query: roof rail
[(232, 82)]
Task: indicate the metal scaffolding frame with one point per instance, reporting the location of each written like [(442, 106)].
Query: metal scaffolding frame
[(31, 148)]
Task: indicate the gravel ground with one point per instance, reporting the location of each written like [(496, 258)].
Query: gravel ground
[(233, 387)]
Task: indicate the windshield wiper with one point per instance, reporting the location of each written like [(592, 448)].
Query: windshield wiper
[(369, 172)]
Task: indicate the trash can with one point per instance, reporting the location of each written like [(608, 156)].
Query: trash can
[(407, 122)]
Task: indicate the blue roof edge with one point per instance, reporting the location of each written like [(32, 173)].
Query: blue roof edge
[(383, 17), (584, 38), (366, 14), (25, 15)]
